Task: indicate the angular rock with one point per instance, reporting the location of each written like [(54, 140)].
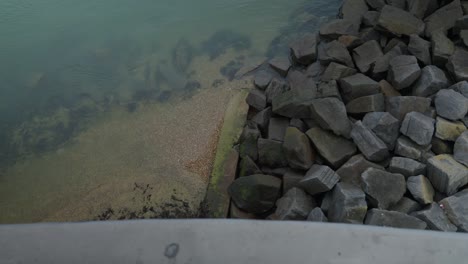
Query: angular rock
[(393, 219), (401, 4), (442, 48), (396, 42), (418, 127), (366, 104), (315, 70), (297, 149), (248, 167), (256, 193), (280, 65), (368, 34), (294, 205), (448, 130), (382, 64), (262, 119), (299, 124), (383, 189), (420, 48), (387, 89), (328, 89), (277, 128), (446, 174), (334, 52), (337, 71), (236, 213), (421, 189), (304, 50), (334, 149), (348, 204), (256, 99), (418, 8), (399, 106), (455, 208), (292, 105), (317, 215), (435, 218), (458, 65), (330, 114), (353, 10), (407, 148), (262, 79), (270, 153), (403, 71), (376, 4), (407, 167), (460, 150), (370, 18), (444, 18), (461, 87), (368, 143), (338, 27), (440, 146), (451, 105), (406, 206), (248, 142), (358, 85), (275, 88), (351, 171), (399, 22), (384, 125), (327, 201), (431, 81), (350, 42), (366, 55), (319, 179)]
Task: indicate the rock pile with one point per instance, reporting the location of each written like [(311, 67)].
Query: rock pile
[(368, 125)]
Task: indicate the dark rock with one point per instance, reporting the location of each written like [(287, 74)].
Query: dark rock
[(338, 27), (444, 18), (368, 143), (451, 105), (275, 88), (461, 87), (461, 24), (330, 114), (262, 119), (256, 99), (370, 18), (399, 22), (315, 71), (291, 179), (353, 10), (319, 179), (337, 71), (351, 171), (440, 146), (406, 166), (421, 189), (304, 50), (366, 104), (256, 193), (368, 34), (383, 189), (248, 167), (455, 208), (420, 48), (418, 8), (403, 71), (348, 204), (401, 4), (280, 65), (464, 5), (396, 42), (327, 202), (248, 142), (435, 218), (407, 148), (387, 89), (406, 206), (290, 104), (376, 4), (294, 205), (446, 174), (366, 55), (277, 128), (384, 125), (334, 149), (460, 150), (382, 64), (442, 48), (458, 65), (328, 89), (418, 127), (334, 52), (399, 106), (358, 85), (393, 219), (317, 215), (297, 149), (262, 79), (299, 124), (236, 213), (431, 81), (350, 42), (448, 130), (270, 153)]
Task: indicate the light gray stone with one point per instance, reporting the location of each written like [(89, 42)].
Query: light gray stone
[(420, 48), (451, 105), (456, 209), (368, 143), (461, 87), (393, 219), (458, 65), (460, 150), (421, 189), (319, 179), (448, 130), (407, 148), (337, 71), (382, 188), (317, 215), (348, 204), (334, 52), (358, 85), (406, 206), (435, 218), (418, 127), (444, 18), (366, 55), (442, 48), (384, 125), (297, 149), (399, 106), (294, 205), (366, 104), (403, 71), (446, 174), (399, 22), (406, 166), (431, 81), (330, 114)]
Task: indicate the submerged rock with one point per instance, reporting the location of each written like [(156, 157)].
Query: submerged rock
[(182, 55), (223, 40)]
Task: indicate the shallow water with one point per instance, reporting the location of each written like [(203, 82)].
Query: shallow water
[(74, 72)]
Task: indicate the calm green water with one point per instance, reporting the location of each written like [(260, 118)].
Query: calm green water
[(63, 63)]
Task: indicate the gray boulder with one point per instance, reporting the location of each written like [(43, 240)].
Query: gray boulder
[(451, 105), (440, 146), (366, 104), (461, 87), (406, 166), (351, 171), (401, 4), (383, 189), (304, 50), (292, 105), (248, 142), (448, 130), (330, 114), (382, 64), (403, 71), (262, 119), (455, 208), (460, 150), (418, 8), (368, 143), (384, 125), (319, 179), (431, 81), (458, 65), (280, 65), (399, 22), (275, 88), (442, 48), (405, 147), (387, 89), (406, 206), (334, 52), (337, 71), (464, 37), (338, 27), (317, 215), (420, 48), (256, 99), (353, 10), (291, 179), (256, 193), (435, 218), (446, 174), (396, 42), (294, 205), (393, 219), (399, 106), (348, 204), (262, 79), (248, 167), (366, 55), (334, 149), (444, 18), (421, 189), (270, 153), (350, 42), (358, 85), (370, 18), (297, 149), (328, 89), (277, 128), (376, 4), (299, 124), (418, 127)]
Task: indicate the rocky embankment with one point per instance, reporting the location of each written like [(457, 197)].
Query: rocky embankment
[(365, 123)]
